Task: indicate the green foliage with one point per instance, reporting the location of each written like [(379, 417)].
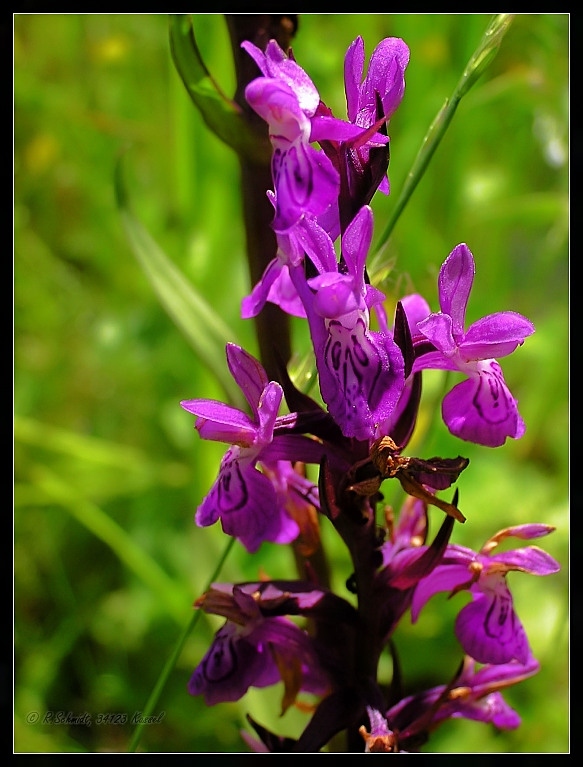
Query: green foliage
[(222, 115), (108, 469)]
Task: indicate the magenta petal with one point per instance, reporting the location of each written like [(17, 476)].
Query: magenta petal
[(220, 422), (434, 361), (356, 241), (481, 409), (386, 75), (232, 665), (282, 67), (252, 304), (353, 71), (529, 559), (501, 675), (267, 409), (361, 378), (305, 182), (246, 502), (496, 335), (248, 372), (257, 55), (455, 284), (442, 578), (334, 295), (490, 631), (283, 293), (527, 531), (277, 104), (438, 328), (490, 709), (326, 128), (317, 243)]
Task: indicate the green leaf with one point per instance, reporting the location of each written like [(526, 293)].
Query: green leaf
[(476, 66), (194, 316), (222, 115)]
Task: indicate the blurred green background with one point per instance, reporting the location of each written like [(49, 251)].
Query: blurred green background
[(108, 468)]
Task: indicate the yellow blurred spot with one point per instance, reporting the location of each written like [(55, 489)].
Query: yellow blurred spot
[(433, 50), (483, 185), (111, 49), (41, 152)]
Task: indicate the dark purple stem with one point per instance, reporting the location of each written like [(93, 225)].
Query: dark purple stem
[(273, 326)]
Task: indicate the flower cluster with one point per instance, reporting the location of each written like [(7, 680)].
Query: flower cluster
[(325, 172)]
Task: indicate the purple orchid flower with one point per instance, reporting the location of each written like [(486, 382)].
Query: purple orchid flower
[(251, 650), (304, 178), (480, 409), (306, 182), (488, 628), (384, 81), (306, 237), (361, 371), (244, 498), (285, 97), (362, 161), (474, 694)]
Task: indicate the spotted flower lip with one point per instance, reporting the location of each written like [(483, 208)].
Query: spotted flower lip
[(487, 627), (361, 371), (243, 497), (480, 409), (251, 650)]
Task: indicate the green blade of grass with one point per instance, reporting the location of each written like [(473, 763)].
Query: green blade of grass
[(476, 66), (203, 328), (113, 535), (173, 658)]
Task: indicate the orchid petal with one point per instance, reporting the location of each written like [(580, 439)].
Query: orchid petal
[(334, 295), (361, 378), (455, 281), (248, 372), (277, 104), (267, 410), (496, 335), (275, 64), (488, 628), (353, 71), (327, 128), (438, 328), (221, 423), (305, 182), (356, 241), (232, 665), (252, 304), (246, 502), (442, 578), (529, 559), (284, 294), (481, 409)]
